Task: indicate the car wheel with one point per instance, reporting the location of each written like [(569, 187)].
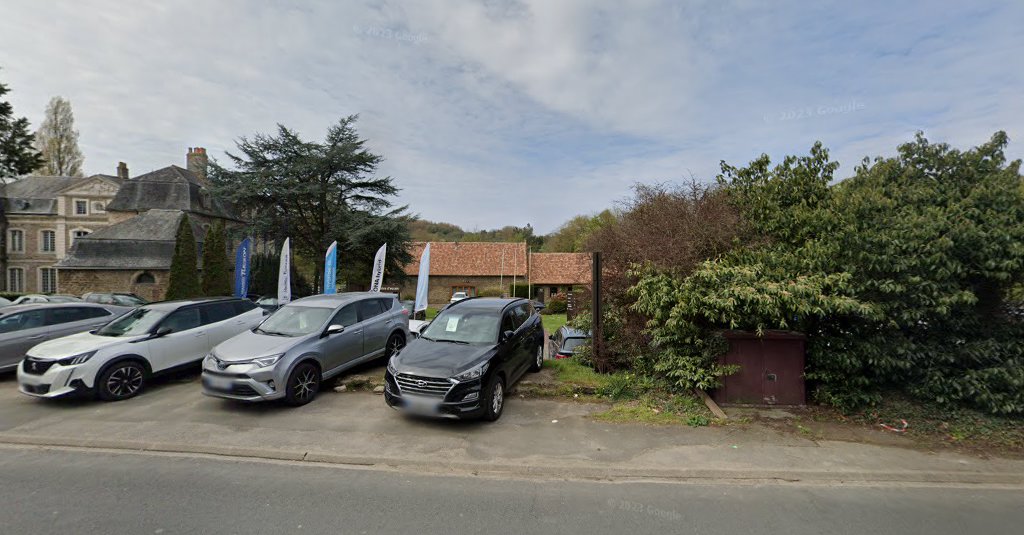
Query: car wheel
[(303, 384), (538, 360), (395, 343), (495, 400), (121, 381)]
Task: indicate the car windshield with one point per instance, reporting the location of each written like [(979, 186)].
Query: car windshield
[(571, 344), (295, 320), (464, 326), (137, 322), (127, 300)]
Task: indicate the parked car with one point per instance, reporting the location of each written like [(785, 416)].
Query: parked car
[(458, 296), (462, 364), (563, 342), (121, 299), (24, 326), (268, 303), (4, 302), (40, 298), (415, 323), (116, 360), (303, 344)]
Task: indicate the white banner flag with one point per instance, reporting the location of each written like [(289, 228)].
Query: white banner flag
[(284, 276), (378, 269), (422, 281)]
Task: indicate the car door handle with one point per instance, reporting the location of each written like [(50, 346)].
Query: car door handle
[(360, 331), (36, 337), (201, 334)]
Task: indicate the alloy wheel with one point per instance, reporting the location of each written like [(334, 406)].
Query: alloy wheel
[(125, 381), (305, 384), (540, 357), (498, 398), (394, 345)]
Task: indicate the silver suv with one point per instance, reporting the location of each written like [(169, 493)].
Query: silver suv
[(303, 344)]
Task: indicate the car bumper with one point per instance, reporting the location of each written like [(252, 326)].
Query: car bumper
[(242, 387), (435, 407), (55, 382)]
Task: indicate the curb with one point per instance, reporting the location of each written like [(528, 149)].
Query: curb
[(604, 473)]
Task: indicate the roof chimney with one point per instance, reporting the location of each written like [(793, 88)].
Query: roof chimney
[(122, 170), (196, 161)]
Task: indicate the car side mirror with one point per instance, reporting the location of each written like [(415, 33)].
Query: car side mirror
[(334, 329), (266, 312), (507, 335), (551, 337), (163, 331)]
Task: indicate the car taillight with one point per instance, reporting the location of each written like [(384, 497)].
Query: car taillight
[(561, 355), (405, 311)]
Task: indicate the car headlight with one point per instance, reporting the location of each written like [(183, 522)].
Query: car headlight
[(263, 362), (475, 372), (76, 359), (391, 366)]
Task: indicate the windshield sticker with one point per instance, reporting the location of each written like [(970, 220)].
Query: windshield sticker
[(453, 323)]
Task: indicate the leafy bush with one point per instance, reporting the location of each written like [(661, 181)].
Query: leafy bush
[(555, 305)]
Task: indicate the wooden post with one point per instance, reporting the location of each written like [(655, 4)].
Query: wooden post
[(597, 318)]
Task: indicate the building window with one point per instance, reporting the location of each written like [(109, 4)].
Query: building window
[(470, 290), (81, 207), (47, 280), (16, 280), (553, 290), (17, 242), (49, 241), (75, 234), (145, 278), (98, 207)]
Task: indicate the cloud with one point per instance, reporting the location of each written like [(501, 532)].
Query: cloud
[(494, 113)]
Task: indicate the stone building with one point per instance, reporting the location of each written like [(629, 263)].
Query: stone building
[(490, 268), (133, 254), (43, 216)]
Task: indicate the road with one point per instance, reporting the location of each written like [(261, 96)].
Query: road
[(68, 491)]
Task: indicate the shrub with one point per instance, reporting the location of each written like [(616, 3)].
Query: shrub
[(489, 292), (184, 279), (555, 305)]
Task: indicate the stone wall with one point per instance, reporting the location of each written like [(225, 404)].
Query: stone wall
[(81, 281)]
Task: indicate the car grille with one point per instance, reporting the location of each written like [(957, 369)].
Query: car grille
[(423, 386), (36, 366), (37, 389)]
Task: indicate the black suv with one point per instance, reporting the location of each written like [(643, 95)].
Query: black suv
[(465, 360)]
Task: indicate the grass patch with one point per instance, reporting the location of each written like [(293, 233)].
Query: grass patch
[(949, 425), (552, 322), (431, 313), (671, 410), (570, 372)]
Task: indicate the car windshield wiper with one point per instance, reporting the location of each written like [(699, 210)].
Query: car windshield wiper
[(271, 333), (463, 342)]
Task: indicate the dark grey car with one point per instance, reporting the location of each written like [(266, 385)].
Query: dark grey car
[(304, 343), (25, 326)]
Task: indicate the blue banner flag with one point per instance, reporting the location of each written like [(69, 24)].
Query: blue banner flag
[(242, 264), (331, 269)]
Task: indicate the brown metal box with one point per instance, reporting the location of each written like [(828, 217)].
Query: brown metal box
[(771, 369)]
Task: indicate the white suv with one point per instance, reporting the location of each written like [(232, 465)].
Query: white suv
[(115, 360)]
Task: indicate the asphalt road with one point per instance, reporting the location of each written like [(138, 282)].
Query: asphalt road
[(53, 491)]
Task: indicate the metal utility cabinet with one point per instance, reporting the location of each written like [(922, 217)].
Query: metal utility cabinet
[(771, 369)]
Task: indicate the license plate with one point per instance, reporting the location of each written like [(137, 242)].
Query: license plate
[(218, 383), (422, 406)]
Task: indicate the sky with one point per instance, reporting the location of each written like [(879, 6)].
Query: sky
[(529, 112)]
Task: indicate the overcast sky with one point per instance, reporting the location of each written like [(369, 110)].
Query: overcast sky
[(497, 113)]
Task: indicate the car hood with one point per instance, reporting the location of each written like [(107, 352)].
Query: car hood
[(440, 359), (249, 345), (77, 344)]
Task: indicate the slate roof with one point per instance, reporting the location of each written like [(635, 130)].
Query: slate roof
[(471, 259), (170, 188), (38, 194), (145, 241), (560, 268)]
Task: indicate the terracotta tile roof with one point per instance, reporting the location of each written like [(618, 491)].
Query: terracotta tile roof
[(470, 258), (560, 268)]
